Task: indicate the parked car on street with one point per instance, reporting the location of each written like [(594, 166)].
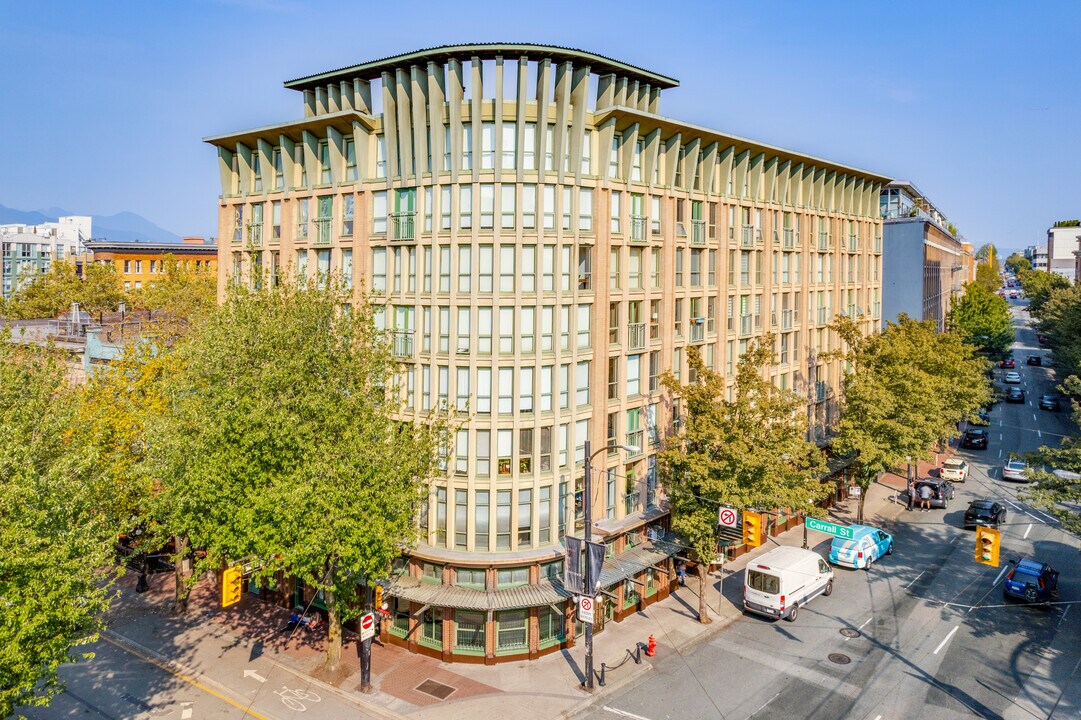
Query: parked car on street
[(1032, 581), (783, 580), (941, 492), (1015, 471), (1015, 395), (1013, 295), (866, 545), (974, 439), (1049, 402), (984, 512), (954, 470), (1034, 360), (1013, 378)]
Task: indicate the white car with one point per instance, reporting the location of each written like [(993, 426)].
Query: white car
[(1013, 377), (954, 469), (1015, 470)]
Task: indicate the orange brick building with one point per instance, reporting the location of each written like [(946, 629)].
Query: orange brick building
[(140, 263)]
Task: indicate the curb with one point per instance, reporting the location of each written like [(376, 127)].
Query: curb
[(609, 688), (181, 668)]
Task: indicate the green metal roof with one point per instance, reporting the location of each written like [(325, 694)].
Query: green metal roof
[(374, 68)]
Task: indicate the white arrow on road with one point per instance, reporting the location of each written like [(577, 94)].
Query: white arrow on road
[(253, 674)]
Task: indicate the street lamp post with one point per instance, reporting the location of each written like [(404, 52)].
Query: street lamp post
[(587, 580)]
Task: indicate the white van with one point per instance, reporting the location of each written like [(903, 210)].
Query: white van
[(783, 580)]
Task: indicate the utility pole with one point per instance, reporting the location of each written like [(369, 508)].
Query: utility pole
[(587, 508)]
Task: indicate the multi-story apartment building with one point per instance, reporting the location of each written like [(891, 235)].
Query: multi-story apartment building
[(548, 244), (1062, 242), (919, 243), (30, 249), (141, 263)]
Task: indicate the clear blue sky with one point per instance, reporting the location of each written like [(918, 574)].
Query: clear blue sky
[(103, 104)]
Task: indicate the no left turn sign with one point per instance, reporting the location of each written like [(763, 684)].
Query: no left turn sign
[(727, 517)]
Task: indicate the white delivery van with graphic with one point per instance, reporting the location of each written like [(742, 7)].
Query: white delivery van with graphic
[(783, 580)]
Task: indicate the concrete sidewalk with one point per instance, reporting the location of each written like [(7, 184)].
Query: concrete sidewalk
[(225, 647)]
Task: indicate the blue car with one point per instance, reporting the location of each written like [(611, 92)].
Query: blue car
[(1032, 581), (866, 545)]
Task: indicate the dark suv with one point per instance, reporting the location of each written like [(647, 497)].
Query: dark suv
[(1032, 581), (1049, 402), (975, 439)]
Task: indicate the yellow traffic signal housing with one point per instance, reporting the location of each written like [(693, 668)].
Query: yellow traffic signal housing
[(231, 586), (378, 597), (987, 545), (752, 528)]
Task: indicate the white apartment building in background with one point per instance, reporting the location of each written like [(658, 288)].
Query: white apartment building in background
[(1062, 241), (31, 249), (548, 245)]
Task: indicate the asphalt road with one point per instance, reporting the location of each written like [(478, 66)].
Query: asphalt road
[(935, 638)]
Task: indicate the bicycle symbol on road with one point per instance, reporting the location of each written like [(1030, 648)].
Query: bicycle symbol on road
[(292, 698)]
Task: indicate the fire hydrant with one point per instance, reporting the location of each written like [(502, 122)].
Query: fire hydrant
[(651, 646)]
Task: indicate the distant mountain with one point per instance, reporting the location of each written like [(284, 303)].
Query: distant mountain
[(123, 226)]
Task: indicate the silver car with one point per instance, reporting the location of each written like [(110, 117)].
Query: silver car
[(1015, 471)]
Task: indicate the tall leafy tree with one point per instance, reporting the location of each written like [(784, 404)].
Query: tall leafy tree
[(981, 318), (179, 290), (49, 294), (988, 277), (54, 536), (906, 389), (1017, 262), (747, 452), (283, 447), (1038, 285), (988, 255), (1060, 320), (1060, 494)]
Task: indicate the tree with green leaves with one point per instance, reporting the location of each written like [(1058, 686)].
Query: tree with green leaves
[(55, 538), (283, 445), (1017, 262), (988, 277), (987, 254), (49, 294), (1059, 493), (1060, 321), (905, 391), (748, 452), (179, 291), (1038, 285), (982, 319)]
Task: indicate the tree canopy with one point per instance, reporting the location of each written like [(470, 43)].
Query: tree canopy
[(750, 452), (1017, 262), (49, 294), (906, 390), (981, 318), (179, 290), (1060, 493), (282, 445), (1038, 285), (55, 536), (988, 277)]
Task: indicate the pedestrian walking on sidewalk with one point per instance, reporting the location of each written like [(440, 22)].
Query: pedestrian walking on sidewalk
[(681, 573), (911, 493)]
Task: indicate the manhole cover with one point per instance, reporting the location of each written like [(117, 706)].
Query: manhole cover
[(839, 658), (850, 633), (435, 689)]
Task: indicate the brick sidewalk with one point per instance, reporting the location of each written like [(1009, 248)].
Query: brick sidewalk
[(218, 643)]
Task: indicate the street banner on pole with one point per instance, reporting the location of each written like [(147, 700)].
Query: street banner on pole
[(572, 566), (595, 562)]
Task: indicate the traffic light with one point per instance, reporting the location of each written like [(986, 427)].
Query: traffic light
[(231, 589), (752, 528), (378, 597), (987, 542)]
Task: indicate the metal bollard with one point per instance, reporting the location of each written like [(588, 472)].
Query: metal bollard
[(637, 654), (603, 668)]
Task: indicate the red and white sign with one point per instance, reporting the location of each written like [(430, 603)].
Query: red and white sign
[(585, 609), (728, 517), (367, 626)]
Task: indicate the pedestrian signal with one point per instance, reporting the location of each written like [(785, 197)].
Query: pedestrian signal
[(231, 582), (752, 528), (987, 544)]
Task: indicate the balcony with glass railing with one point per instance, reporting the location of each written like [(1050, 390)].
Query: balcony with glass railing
[(401, 343), (631, 500), (823, 241), (322, 231), (745, 325), (746, 238), (636, 336), (403, 226), (698, 232), (790, 239), (698, 330), (639, 226), (787, 317), (255, 234)]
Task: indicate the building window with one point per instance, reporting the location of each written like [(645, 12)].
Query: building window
[(380, 156), (431, 634), (512, 631), (502, 519), (469, 627), (347, 215), (585, 210), (525, 520), (350, 160), (507, 150), (480, 526), (550, 627), (472, 577), (487, 206), (441, 516), (324, 162), (461, 510), (487, 146)]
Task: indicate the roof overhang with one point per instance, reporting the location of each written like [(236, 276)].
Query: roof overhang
[(375, 68), (294, 129)]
